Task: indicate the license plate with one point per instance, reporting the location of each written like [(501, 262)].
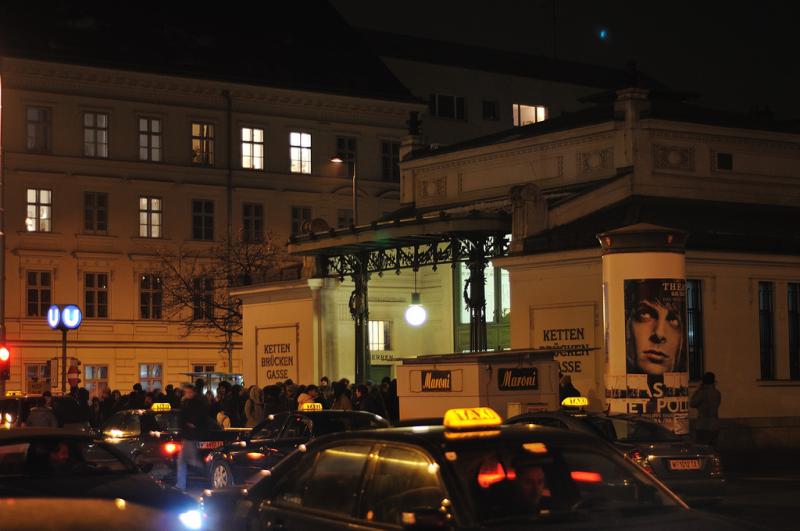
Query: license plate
[(684, 464), (209, 445)]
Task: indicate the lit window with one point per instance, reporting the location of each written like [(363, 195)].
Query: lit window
[(40, 210), (38, 129), (95, 212), (380, 335), (150, 139), (528, 114), (95, 134), (300, 152), (37, 377), (202, 144), (149, 217), (150, 376), (252, 148), (95, 379)]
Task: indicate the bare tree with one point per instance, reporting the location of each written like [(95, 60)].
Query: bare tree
[(196, 284)]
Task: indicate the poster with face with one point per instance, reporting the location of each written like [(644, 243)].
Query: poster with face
[(657, 380)]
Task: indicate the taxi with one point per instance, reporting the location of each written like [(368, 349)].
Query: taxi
[(471, 472), (694, 471), (271, 440), (151, 438)]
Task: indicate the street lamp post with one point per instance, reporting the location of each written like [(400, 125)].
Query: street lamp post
[(336, 159)]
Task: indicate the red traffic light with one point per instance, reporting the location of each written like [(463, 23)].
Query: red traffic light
[(4, 354)]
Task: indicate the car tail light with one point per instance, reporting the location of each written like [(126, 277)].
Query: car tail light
[(716, 465), (209, 458), (489, 474), (255, 455), (171, 448), (641, 460), (586, 477)]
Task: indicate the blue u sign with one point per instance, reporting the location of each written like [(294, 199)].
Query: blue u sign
[(64, 317)]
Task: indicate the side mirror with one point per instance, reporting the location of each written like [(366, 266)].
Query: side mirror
[(425, 519)]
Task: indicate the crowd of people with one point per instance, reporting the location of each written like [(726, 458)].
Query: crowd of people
[(232, 405)]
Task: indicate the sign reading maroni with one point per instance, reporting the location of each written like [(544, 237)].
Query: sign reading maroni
[(437, 380), (523, 379)]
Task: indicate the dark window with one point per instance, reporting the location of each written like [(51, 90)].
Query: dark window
[(490, 110), (95, 212), (344, 217), (346, 150), (445, 106), (39, 292), (694, 330), (335, 483), (724, 161), (297, 427), (270, 429), (38, 129), (404, 481), (95, 134), (390, 161), (794, 330), (150, 296), (150, 139), (545, 421), (203, 144), (202, 220), (203, 298), (766, 326), (95, 290), (252, 222), (300, 215)]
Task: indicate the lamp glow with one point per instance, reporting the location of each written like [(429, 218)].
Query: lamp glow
[(416, 313)]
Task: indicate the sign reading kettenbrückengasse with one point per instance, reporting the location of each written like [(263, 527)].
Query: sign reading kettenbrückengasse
[(437, 380), (522, 379)]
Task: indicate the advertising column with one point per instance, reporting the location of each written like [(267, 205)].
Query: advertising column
[(644, 291)]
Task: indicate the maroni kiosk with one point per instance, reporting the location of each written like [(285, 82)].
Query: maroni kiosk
[(510, 382)]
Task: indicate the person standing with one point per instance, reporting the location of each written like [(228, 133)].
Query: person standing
[(42, 414), (566, 389), (254, 407), (706, 399), (194, 425), (309, 395)]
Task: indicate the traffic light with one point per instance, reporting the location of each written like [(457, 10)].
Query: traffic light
[(5, 363)]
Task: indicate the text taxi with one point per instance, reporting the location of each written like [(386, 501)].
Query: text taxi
[(470, 473)]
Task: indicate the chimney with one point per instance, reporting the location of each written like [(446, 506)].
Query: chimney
[(413, 141), (631, 103)]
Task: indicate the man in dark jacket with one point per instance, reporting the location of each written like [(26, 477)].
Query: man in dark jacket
[(706, 399), (370, 400), (194, 426)]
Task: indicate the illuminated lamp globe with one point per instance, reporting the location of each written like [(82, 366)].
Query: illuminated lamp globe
[(416, 314)]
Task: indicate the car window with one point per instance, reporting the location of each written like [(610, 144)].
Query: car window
[(297, 427), (168, 421), (404, 481), (100, 458), (122, 425), (269, 429), (71, 457), (12, 458), (325, 424), (332, 484), (628, 430)]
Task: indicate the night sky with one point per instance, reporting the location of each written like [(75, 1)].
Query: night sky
[(737, 55)]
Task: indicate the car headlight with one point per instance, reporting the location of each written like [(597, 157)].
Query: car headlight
[(192, 519)]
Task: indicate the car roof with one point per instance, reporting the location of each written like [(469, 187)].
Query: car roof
[(436, 435), (42, 433)]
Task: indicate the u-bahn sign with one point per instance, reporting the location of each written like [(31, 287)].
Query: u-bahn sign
[(64, 316)]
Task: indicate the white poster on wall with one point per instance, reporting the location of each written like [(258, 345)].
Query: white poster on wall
[(276, 354), (572, 328)]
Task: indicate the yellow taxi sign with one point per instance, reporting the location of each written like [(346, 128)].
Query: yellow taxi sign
[(471, 417), (13, 393), (311, 406), (161, 407), (575, 401)]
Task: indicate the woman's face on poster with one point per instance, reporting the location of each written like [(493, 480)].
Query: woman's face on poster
[(657, 332)]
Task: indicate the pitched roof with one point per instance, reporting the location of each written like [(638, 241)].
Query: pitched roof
[(499, 61), (296, 45)]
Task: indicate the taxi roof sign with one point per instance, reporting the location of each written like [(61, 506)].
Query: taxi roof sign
[(311, 406), (471, 417), (13, 393), (161, 406), (575, 401)]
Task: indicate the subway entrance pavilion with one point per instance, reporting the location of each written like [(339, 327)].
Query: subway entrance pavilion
[(585, 230)]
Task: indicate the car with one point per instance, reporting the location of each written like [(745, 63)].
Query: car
[(692, 470), (472, 472), (59, 463), (151, 438), (271, 440)]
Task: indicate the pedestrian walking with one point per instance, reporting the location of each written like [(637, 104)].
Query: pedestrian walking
[(706, 399), (194, 426)]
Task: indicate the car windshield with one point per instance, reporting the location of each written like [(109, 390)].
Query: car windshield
[(633, 431), (520, 481), (324, 424), (60, 457), (168, 421)]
